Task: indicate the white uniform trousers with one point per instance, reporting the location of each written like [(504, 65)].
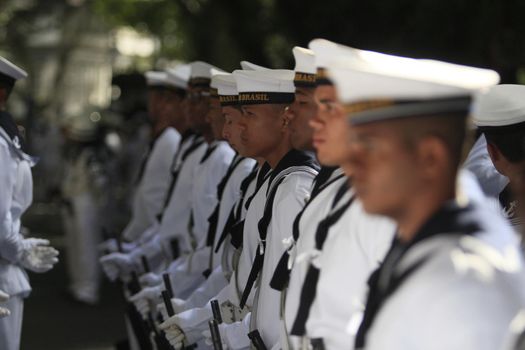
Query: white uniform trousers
[(82, 238), (11, 326)]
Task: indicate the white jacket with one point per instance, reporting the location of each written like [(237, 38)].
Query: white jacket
[(152, 189)]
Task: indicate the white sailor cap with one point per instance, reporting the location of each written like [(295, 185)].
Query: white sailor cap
[(500, 106), (375, 86), (272, 86), (305, 69), (179, 76), (200, 74), (245, 65), (225, 87), (156, 78), (325, 51), (10, 73)]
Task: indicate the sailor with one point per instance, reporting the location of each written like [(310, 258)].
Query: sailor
[(230, 240), (187, 271), (303, 115), (500, 112), (240, 185), (163, 243), (347, 242), (264, 96), (450, 255), (155, 173), (479, 163), (500, 116), (208, 120), (84, 185), (16, 193), (165, 95), (228, 190)]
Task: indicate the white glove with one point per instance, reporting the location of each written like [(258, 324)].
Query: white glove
[(111, 246), (37, 256), (208, 340), (233, 335), (29, 243), (174, 335), (178, 307), (177, 336), (146, 299), (4, 312), (150, 279), (117, 264)]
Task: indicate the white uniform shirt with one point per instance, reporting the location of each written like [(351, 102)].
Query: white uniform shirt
[(230, 196), (232, 192), (176, 215), (313, 214), (208, 176), (290, 198), (480, 164), (153, 187), (187, 272), (249, 246), (463, 297), (16, 195), (354, 247), (196, 317)]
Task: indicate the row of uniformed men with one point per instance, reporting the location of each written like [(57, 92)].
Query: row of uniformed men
[(386, 244), (17, 252)]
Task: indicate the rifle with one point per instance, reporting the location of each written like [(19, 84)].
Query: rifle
[(158, 337), (214, 325), (317, 344), (171, 312), (257, 340), (145, 264)]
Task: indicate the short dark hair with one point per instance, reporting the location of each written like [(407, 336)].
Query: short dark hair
[(7, 87), (451, 129), (509, 139), (165, 91)]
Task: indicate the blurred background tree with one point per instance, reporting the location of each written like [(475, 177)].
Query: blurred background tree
[(484, 33)]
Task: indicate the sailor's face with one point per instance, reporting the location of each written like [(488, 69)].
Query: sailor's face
[(300, 112), (154, 105), (330, 128), (383, 167), (215, 118), (198, 105), (262, 129), (232, 130)]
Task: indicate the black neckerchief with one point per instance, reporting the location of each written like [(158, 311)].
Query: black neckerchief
[(209, 152), (235, 213), (309, 289), (324, 175), (281, 275), (214, 217), (261, 177), (293, 158), (186, 135), (451, 219), (196, 143), (8, 124), (237, 231), (145, 159)]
